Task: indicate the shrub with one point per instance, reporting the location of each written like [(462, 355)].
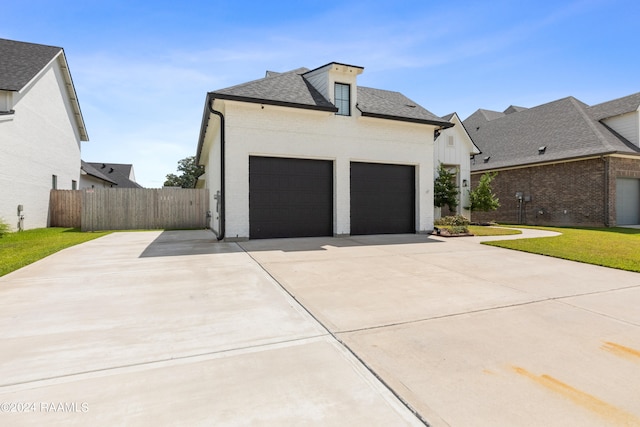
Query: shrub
[(482, 198), (457, 224), (445, 190), (4, 228), (452, 221)]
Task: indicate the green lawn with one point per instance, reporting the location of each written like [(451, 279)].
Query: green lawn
[(609, 247), (25, 247), (479, 230)]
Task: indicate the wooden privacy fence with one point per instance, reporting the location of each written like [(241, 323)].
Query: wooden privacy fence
[(95, 209)]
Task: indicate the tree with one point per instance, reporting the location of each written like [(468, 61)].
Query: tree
[(445, 190), (482, 198), (190, 173)]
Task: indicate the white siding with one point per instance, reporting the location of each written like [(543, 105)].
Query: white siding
[(289, 132), (458, 155), (40, 141), (627, 125)]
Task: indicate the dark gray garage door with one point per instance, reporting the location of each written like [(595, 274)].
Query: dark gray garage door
[(382, 198), (290, 197)]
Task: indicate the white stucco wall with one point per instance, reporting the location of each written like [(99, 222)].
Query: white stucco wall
[(40, 140), (457, 155), (265, 130), (88, 181)]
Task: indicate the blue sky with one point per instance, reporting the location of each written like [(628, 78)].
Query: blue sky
[(142, 68)]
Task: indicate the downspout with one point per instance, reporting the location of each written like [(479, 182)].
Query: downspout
[(220, 233), (606, 191)]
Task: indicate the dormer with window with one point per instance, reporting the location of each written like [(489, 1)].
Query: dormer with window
[(338, 83)]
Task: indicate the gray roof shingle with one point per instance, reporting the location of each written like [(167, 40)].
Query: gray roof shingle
[(292, 89), (395, 106), (20, 62), (616, 107), (566, 128), (90, 170), (288, 89), (117, 172)]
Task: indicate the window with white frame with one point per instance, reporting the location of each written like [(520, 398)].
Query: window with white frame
[(343, 99)]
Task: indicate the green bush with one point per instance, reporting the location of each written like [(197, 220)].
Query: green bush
[(4, 228)]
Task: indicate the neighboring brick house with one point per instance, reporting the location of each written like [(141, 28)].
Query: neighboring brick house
[(311, 153), (561, 163), (41, 129)]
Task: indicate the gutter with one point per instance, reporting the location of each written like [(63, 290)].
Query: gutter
[(221, 224)]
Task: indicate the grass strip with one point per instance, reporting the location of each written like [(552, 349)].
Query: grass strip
[(25, 247)]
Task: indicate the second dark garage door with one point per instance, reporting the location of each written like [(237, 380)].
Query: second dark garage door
[(382, 198), (290, 197)]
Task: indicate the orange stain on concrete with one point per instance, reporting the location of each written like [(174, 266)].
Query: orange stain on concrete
[(620, 350), (601, 408)]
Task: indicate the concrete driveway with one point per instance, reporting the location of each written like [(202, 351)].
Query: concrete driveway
[(471, 335), (174, 329), (151, 329)]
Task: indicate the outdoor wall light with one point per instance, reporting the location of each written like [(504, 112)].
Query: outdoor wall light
[(486, 159), (465, 183), (542, 149)]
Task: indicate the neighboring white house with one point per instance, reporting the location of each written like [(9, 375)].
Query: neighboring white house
[(91, 177), (453, 149), (311, 153), (41, 128), (119, 175)]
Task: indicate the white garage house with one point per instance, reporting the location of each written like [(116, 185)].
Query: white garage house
[(310, 153)]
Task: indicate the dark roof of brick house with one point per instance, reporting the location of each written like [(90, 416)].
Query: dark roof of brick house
[(117, 172), (556, 131), (20, 62)]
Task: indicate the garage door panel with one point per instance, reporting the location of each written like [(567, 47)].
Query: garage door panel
[(290, 197), (382, 198), (627, 201)]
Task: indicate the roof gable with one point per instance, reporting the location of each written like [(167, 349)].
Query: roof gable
[(20, 62)]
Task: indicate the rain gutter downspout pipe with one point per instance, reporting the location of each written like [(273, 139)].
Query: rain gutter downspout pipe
[(220, 233)]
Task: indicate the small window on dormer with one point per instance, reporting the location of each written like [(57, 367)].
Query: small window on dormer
[(343, 99)]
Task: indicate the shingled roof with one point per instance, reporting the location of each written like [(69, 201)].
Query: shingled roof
[(288, 89), (616, 107), (20, 62), (292, 89), (559, 130), (118, 173), (90, 170)]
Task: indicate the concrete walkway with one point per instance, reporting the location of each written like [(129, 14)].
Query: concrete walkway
[(152, 329), (174, 328)]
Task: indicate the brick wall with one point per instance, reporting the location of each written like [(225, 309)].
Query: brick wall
[(571, 193)]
